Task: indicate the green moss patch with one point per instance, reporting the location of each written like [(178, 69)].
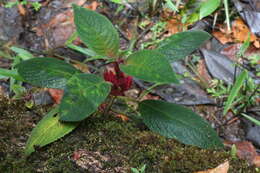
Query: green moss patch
[(100, 143)]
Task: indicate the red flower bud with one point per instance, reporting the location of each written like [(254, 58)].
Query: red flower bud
[(120, 81)]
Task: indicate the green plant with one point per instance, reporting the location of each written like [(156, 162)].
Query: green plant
[(196, 10), (243, 93), (14, 79), (140, 170), (156, 30), (36, 5), (85, 93), (218, 89), (257, 122)]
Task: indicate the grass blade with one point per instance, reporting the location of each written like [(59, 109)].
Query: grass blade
[(234, 91)]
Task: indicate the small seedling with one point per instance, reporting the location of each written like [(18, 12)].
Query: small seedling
[(233, 151), (140, 170), (36, 5), (14, 79)]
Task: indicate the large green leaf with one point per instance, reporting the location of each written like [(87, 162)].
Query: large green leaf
[(175, 121), (208, 7), (96, 31), (46, 72), (182, 44), (235, 89), (83, 94), (149, 65), (48, 130)]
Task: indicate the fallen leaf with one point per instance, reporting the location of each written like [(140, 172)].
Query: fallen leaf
[(222, 168), (250, 16), (175, 25), (257, 44), (256, 161), (231, 51), (93, 6), (21, 9), (220, 66), (222, 37), (124, 118), (56, 94), (203, 72), (240, 31)]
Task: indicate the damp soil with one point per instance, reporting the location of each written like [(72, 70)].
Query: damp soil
[(101, 144)]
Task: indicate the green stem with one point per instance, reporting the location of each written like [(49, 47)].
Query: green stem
[(203, 83), (127, 99), (227, 14), (147, 91), (110, 103)]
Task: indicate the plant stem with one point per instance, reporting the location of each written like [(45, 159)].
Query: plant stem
[(127, 98), (110, 103), (227, 15), (203, 83), (145, 92)]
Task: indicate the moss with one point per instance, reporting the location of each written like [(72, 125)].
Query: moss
[(124, 144)]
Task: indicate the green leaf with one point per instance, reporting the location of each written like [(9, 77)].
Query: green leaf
[(83, 94), (208, 7), (82, 50), (171, 5), (48, 130), (151, 66), (46, 72), (175, 121), (117, 1), (235, 90), (180, 45), (96, 31), (10, 73), (257, 122), (22, 53)]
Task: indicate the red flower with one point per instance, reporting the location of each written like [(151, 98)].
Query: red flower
[(120, 81)]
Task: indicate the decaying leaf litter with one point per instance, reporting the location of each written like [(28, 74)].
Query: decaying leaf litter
[(47, 31)]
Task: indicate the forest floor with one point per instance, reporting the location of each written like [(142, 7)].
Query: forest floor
[(109, 143)]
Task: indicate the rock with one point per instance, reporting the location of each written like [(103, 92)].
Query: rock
[(10, 24), (252, 131)]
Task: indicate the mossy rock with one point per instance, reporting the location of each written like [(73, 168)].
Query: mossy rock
[(100, 144)]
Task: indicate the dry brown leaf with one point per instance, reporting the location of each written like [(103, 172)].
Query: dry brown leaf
[(240, 31), (222, 37), (21, 9), (93, 6), (175, 25), (124, 118), (203, 72), (231, 51), (222, 168), (56, 94), (257, 44), (256, 161)]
